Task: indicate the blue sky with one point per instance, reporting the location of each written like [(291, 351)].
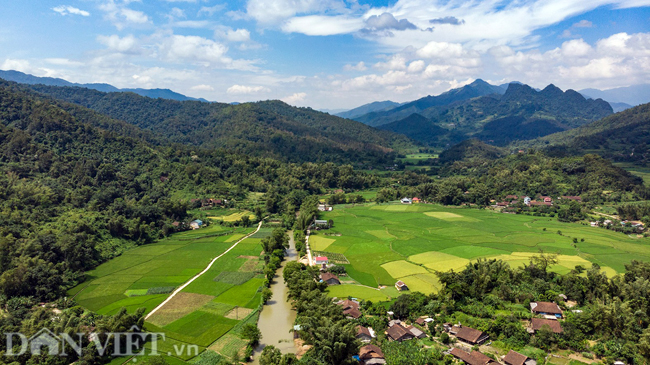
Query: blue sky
[(328, 53)]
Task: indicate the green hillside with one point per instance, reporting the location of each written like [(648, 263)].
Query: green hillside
[(624, 137), (269, 128)]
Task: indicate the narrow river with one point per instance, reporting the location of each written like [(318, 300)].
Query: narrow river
[(276, 318)]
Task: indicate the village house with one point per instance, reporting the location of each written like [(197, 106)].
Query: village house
[(401, 286), (416, 332), (535, 203), (538, 323), (325, 207), (467, 334), (546, 309), (321, 261), (471, 358), (527, 200), (330, 278), (350, 308), (196, 224), (515, 358), (546, 199), (321, 223), (399, 333), (511, 197), (371, 355), (415, 200), (365, 334)]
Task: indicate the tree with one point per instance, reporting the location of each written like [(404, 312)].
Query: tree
[(270, 356), (252, 333), (267, 294)]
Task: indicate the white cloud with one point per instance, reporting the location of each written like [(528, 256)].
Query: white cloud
[(211, 10), (63, 62), (197, 24), (583, 24), (241, 90), (320, 25), (295, 98), (121, 16), (358, 67), (232, 35), (269, 12), (179, 48), (127, 44), (202, 87), (67, 9), (416, 66)]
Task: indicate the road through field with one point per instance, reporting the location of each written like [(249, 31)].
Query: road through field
[(180, 288)]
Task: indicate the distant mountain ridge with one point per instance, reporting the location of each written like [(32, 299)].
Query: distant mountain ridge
[(473, 90), (23, 78), (521, 113), (631, 95), (368, 108)]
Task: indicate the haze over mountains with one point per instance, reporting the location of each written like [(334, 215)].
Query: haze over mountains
[(23, 78)]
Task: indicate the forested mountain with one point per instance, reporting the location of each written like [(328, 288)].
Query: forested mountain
[(521, 113), (473, 90), (23, 78), (624, 136), (368, 108), (269, 128), (470, 150), (75, 195)]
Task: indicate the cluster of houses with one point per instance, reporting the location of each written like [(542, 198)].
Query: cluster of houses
[(414, 200), (542, 200), (547, 315), (195, 224)]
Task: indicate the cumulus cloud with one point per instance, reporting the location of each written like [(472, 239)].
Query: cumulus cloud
[(67, 9), (452, 20), (361, 66), (202, 87), (127, 44), (618, 60), (387, 21), (121, 16), (244, 90), (294, 98), (232, 35)]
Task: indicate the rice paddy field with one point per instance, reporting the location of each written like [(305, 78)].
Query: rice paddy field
[(213, 306), (390, 242)]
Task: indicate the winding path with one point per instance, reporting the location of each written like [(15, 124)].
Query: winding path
[(180, 288)]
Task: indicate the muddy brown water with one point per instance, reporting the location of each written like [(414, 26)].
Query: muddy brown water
[(277, 316)]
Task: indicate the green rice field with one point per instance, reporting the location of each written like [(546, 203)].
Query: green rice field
[(204, 311), (390, 242)]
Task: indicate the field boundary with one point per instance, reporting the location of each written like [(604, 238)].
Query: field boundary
[(180, 288)]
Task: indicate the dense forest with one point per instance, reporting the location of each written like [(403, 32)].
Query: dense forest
[(77, 195), (620, 137), (268, 128)]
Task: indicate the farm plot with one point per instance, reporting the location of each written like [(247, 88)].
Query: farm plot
[(387, 242), (200, 314)]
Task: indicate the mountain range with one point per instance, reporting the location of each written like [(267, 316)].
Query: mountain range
[(23, 78), (267, 128), (519, 113)]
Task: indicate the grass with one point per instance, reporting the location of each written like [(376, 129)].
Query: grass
[(387, 242), (200, 314)]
